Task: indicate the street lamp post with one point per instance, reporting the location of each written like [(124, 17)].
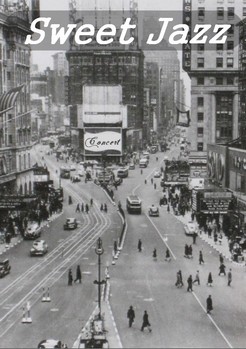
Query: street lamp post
[(99, 251)]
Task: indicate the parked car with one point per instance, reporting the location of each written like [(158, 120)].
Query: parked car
[(39, 248), (76, 179), (154, 211), (157, 174), (131, 167), (71, 223), (32, 232), (4, 268), (51, 343), (190, 228)]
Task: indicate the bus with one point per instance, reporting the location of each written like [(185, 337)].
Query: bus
[(133, 204), (122, 172)]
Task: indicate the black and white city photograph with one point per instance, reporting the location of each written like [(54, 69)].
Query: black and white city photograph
[(122, 174)]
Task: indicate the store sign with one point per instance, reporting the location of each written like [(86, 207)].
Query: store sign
[(239, 163), (187, 47), (216, 165), (41, 178), (11, 203), (103, 141)]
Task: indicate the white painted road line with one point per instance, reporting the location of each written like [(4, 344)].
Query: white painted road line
[(163, 239), (213, 322)]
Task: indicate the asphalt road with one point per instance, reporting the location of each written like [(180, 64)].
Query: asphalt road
[(178, 317), (70, 307)]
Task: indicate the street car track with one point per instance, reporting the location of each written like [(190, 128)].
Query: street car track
[(75, 245)]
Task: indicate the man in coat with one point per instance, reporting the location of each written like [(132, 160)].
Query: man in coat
[(146, 322), (131, 315), (78, 274), (209, 304)]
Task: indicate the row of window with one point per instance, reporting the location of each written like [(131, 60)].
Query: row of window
[(220, 13), (219, 62), (219, 47), (218, 80)]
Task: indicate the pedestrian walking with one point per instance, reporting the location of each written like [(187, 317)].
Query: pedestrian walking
[(146, 322), (154, 185), (101, 207), (70, 201), (145, 181), (168, 257), (189, 282), (220, 238), (152, 181), (91, 202), (139, 245), (77, 208), (210, 279), (78, 275), (155, 255), (179, 281), (201, 261), (115, 247), (168, 208), (141, 171), (209, 304), (215, 238), (222, 268), (131, 315), (221, 258), (229, 278), (190, 252), (197, 278), (186, 251), (70, 277), (194, 236), (86, 208), (105, 208)]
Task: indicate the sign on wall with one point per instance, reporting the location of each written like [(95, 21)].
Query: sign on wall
[(99, 140)]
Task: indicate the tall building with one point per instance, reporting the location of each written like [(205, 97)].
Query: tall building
[(213, 70), (152, 99), (16, 174), (242, 81), (60, 66), (109, 65)]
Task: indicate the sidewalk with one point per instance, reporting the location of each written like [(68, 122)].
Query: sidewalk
[(222, 248)]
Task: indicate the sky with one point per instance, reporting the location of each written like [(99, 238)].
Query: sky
[(44, 58)]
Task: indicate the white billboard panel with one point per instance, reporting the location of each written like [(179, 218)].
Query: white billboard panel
[(99, 140)]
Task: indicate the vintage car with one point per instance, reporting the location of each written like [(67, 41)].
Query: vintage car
[(39, 248), (190, 228), (4, 268), (70, 224), (32, 232), (154, 211)]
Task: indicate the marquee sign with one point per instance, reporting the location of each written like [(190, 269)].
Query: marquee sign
[(211, 202)]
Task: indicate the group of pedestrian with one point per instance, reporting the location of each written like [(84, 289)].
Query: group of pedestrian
[(104, 207), (188, 251), (82, 208), (131, 318), (78, 276)]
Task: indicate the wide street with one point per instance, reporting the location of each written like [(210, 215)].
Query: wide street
[(178, 318)]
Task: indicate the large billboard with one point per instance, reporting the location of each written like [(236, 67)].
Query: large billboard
[(99, 141)]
